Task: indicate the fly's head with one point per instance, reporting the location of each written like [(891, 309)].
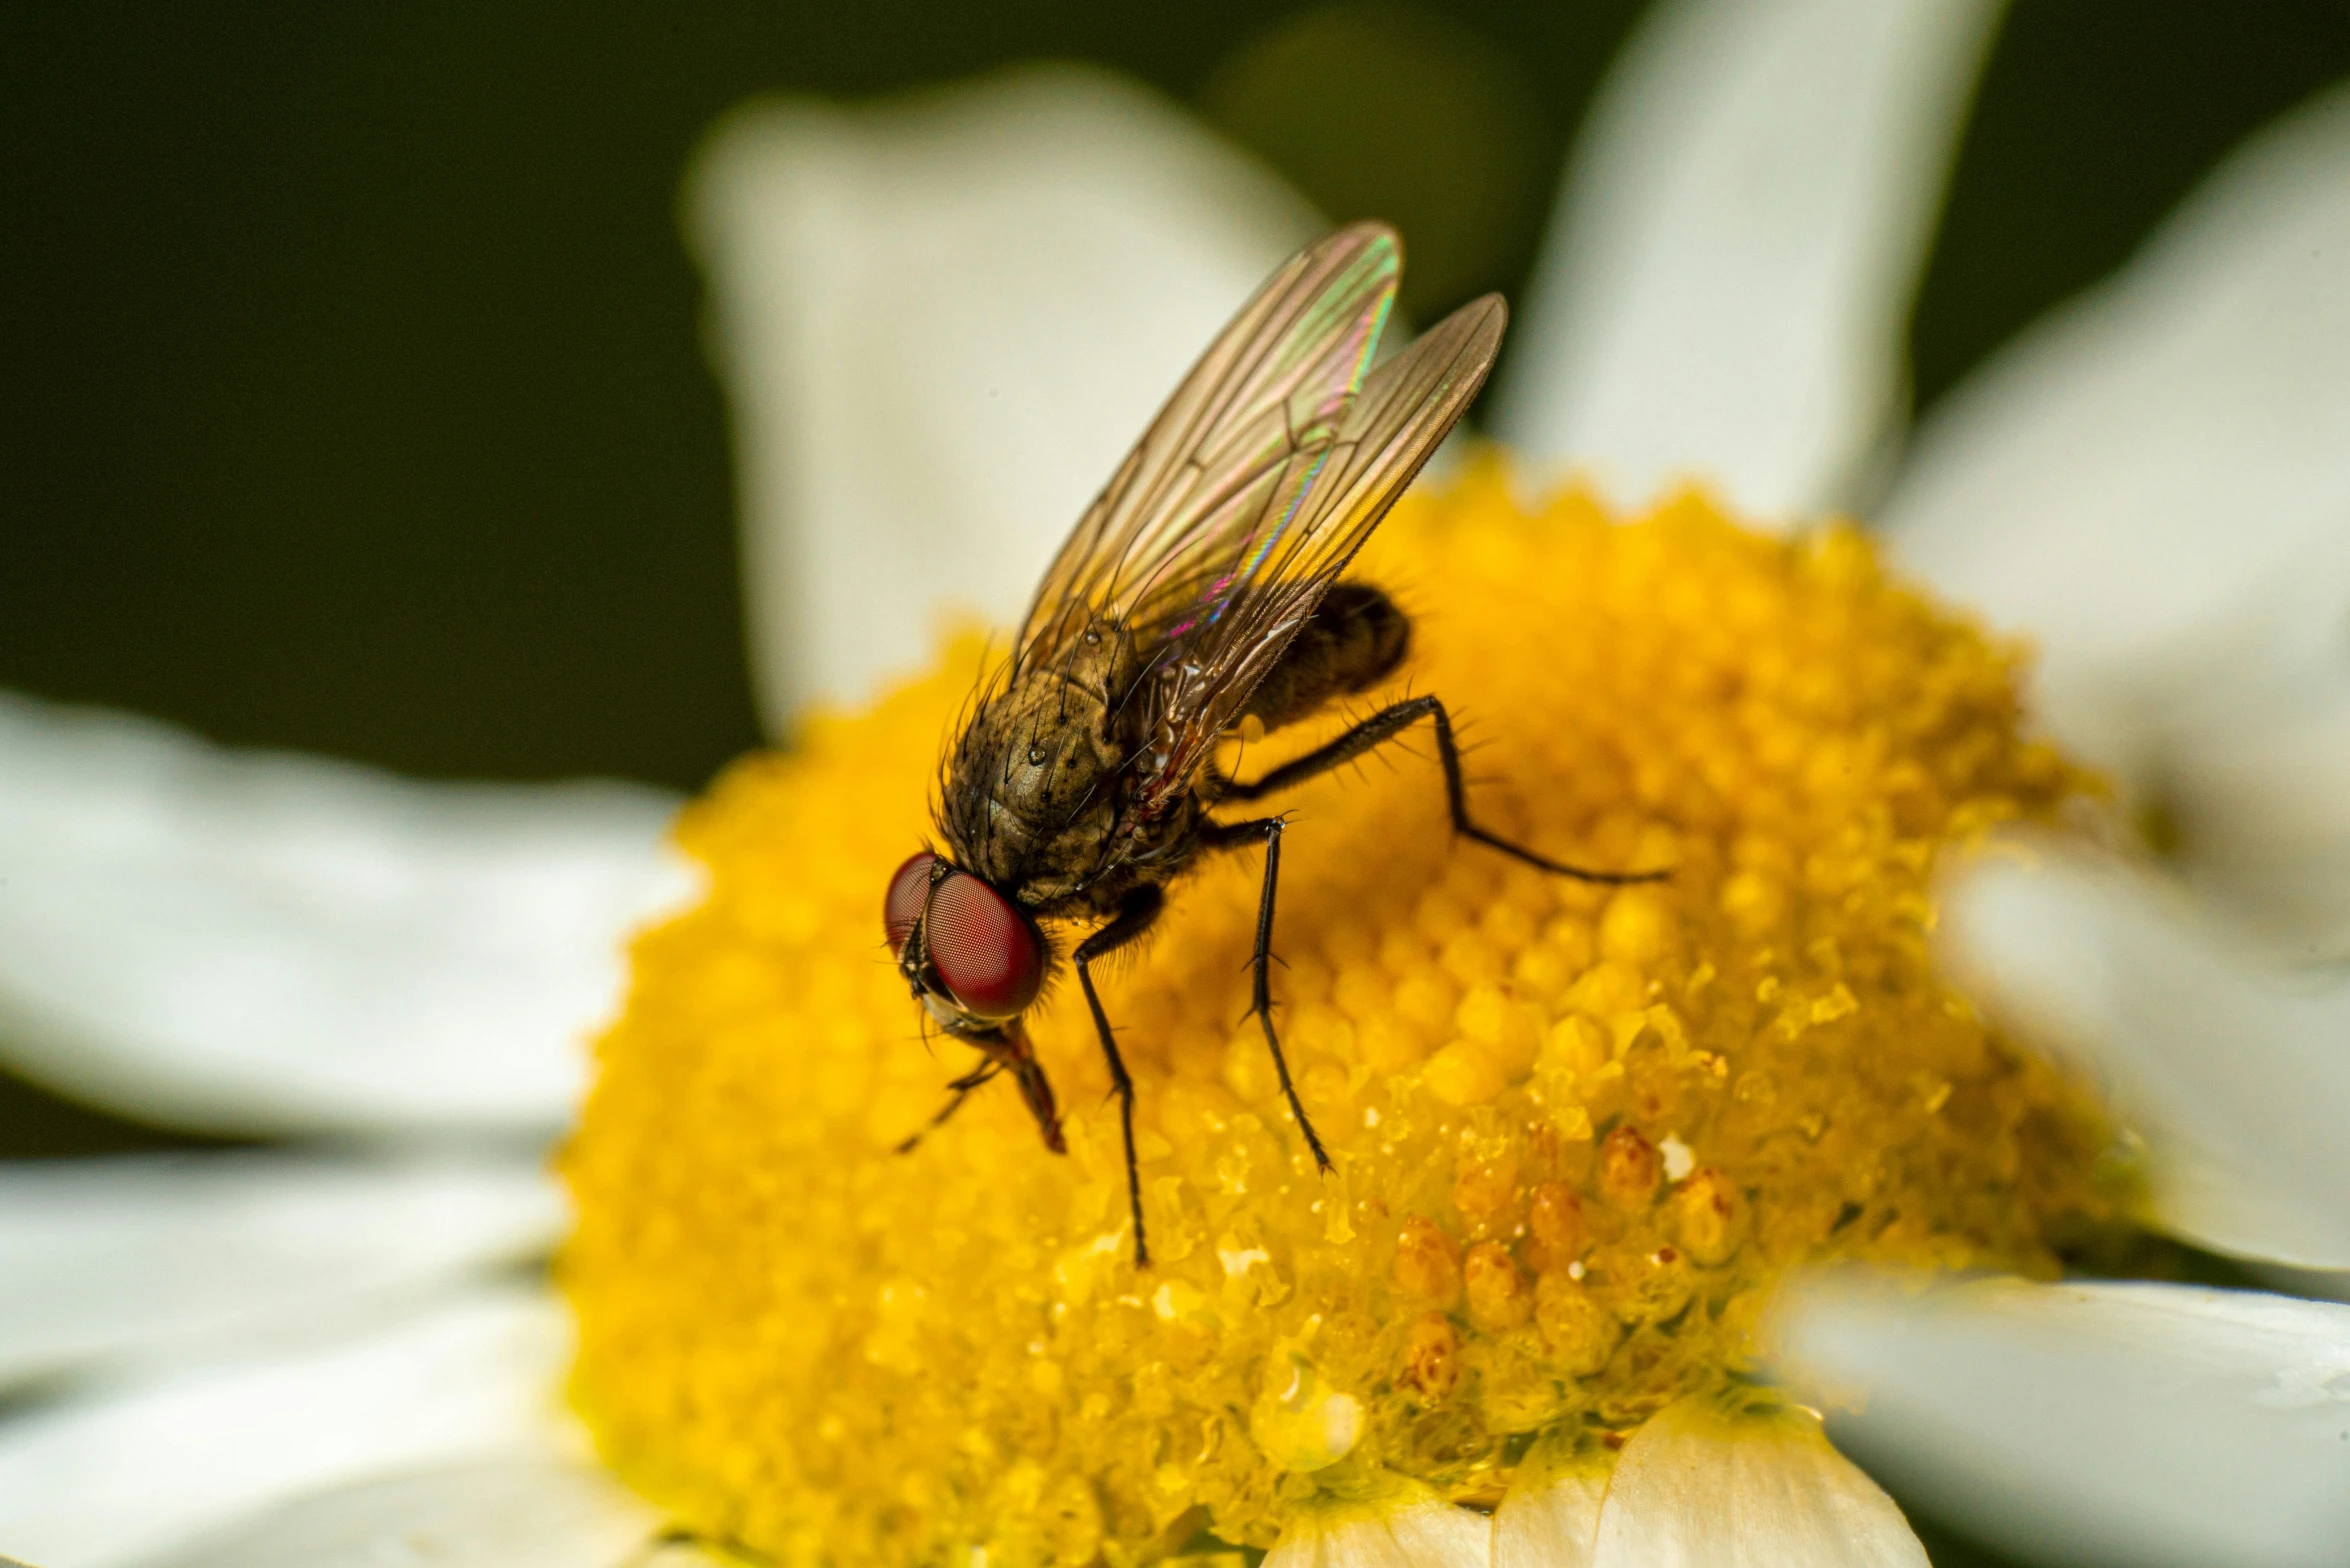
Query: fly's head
[(972, 958)]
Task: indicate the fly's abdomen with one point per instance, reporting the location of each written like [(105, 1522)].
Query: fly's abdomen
[(1354, 638)]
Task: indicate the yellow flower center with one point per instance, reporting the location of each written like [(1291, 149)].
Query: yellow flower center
[(1580, 1132)]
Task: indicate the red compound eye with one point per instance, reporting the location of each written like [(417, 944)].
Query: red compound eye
[(987, 955), (909, 890)]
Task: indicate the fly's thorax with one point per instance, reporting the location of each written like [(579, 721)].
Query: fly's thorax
[(1031, 799)]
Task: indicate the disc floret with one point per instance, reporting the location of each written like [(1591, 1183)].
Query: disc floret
[(1580, 1132)]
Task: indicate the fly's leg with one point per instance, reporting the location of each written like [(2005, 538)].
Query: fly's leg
[(1223, 834), (1035, 1088), (1135, 915), (1007, 1051), (962, 1087), (1384, 726)]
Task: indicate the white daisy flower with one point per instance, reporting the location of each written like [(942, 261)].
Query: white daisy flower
[(940, 322)]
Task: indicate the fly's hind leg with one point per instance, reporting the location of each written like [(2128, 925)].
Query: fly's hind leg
[(1135, 916), (1384, 726), (1223, 835)]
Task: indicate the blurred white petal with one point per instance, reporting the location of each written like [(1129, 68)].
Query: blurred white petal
[(2216, 1203), (2133, 1425), (499, 1514), (259, 942), (1550, 1517), (1725, 291), (684, 1554), (941, 321), (1699, 1489), (2248, 751), (185, 1252), (148, 1464), (2156, 465), (1413, 1529), (2235, 1075)]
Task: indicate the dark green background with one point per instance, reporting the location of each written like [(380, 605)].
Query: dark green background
[(351, 396)]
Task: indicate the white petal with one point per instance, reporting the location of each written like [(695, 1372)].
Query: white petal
[(2235, 1076), (181, 1252), (1726, 286), (941, 321), (2201, 1197), (500, 1514), (2262, 796), (265, 943), (1550, 1518), (1410, 1528), (2124, 1424), (152, 1463), (2159, 457), (2244, 740), (1700, 1489)]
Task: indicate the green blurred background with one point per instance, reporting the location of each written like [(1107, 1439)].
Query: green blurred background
[(352, 391)]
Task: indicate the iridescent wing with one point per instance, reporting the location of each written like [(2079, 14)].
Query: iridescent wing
[(1254, 487), (1295, 351)]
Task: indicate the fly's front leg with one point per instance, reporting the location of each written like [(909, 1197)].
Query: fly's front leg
[(1224, 834), (1384, 726), (1135, 916), (1037, 1091), (962, 1087)]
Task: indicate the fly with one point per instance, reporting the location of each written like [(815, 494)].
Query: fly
[(1203, 588)]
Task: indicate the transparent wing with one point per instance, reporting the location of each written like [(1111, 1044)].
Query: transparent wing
[(1324, 500), (1181, 511)]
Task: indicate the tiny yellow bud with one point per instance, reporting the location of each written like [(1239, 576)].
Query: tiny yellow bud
[(1390, 1043), (1578, 1046), (1640, 926), (1497, 1294), (1431, 1361), (1629, 1168), (1572, 938), (1461, 1074), (1755, 900), (1426, 1264), (1554, 1222), (1248, 1068), (1541, 971), (1427, 998), (1362, 992), (1579, 1334), (1501, 1026), (1609, 990), (1485, 1182), (1707, 1215)]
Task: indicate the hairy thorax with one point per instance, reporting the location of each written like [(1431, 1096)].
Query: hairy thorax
[(1037, 789)]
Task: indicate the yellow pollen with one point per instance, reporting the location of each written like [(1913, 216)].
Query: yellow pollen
[(1580, 1132)]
